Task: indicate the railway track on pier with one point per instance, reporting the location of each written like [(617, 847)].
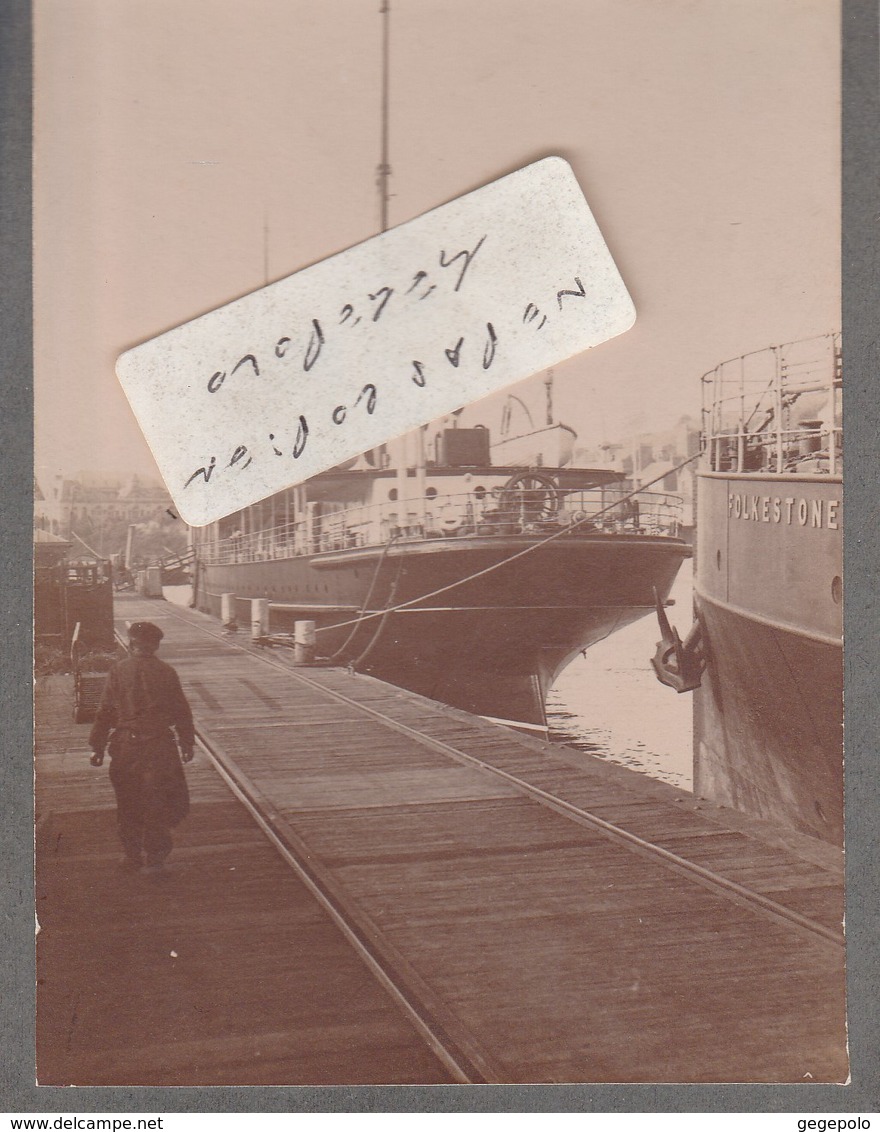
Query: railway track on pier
[(700, 875), (465, 1054)]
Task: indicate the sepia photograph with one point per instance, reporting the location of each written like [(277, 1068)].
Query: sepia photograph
[(438, 517)]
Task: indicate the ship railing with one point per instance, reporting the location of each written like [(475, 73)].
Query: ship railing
[(497, 513), (285, 541), (776, 410), (808, 447)]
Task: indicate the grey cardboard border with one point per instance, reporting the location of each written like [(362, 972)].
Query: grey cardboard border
[(16, 439), (861, 215)]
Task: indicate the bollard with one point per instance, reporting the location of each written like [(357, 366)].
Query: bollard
[(227, 609), (259, 618), (154, 581), (304, 642)]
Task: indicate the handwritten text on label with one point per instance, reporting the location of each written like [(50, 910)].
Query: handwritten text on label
[(345, 355)]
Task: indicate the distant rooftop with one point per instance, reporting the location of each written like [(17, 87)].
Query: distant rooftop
[(47, 536)]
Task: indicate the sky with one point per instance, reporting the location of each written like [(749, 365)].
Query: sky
[(189, 151)]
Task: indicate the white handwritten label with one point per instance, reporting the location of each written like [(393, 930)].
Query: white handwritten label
[(347, 354)]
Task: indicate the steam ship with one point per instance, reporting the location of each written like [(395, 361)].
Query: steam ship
[(435, 569), (768, 718)]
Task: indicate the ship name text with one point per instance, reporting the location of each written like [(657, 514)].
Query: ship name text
[(784, 509)]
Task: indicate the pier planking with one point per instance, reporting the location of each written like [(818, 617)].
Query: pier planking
[(552, 951), (264, 988)]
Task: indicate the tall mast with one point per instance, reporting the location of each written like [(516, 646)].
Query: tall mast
[(384, 168)]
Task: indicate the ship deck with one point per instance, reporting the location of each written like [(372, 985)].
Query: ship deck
[(375, 888)]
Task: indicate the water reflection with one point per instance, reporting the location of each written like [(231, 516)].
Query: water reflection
[(610, 704)]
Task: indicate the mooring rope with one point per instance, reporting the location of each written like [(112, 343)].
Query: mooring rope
[(366, 601), (355, 664)]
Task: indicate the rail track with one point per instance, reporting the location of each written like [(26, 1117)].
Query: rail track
[(466, 1062)]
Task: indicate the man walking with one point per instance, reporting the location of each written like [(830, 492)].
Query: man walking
[(142, 701)]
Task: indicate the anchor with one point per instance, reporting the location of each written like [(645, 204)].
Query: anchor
[(678, 663)]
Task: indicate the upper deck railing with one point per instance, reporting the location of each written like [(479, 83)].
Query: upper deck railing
[(533, 512), (776, 410)]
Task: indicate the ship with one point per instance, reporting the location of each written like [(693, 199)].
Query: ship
[(764, 657), (430, 566)]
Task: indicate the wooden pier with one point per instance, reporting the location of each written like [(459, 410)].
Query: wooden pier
[(441, 900)]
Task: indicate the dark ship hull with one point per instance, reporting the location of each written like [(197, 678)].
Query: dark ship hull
[(177, 577), (768, 717), (764, 656), (491, 643)]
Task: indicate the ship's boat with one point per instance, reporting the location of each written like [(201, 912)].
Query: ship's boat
[(768, 726), (553, 444), (431, 567)]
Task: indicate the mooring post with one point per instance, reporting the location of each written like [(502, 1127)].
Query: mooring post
[(304, 642), (259, 618), (154, 581), (227, 610)]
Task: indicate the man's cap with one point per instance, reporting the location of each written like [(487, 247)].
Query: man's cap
[(145, 632)]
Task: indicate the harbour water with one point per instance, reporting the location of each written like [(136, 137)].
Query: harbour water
[(609, 704)]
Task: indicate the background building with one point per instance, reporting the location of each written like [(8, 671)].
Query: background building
[(95, 512), (644, 456)]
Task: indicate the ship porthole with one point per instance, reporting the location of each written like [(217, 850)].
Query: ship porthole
[(717, 559), (836, 589)]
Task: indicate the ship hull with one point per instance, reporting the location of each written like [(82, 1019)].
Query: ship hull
[(492, 644), (179, 577), (768, 727)]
